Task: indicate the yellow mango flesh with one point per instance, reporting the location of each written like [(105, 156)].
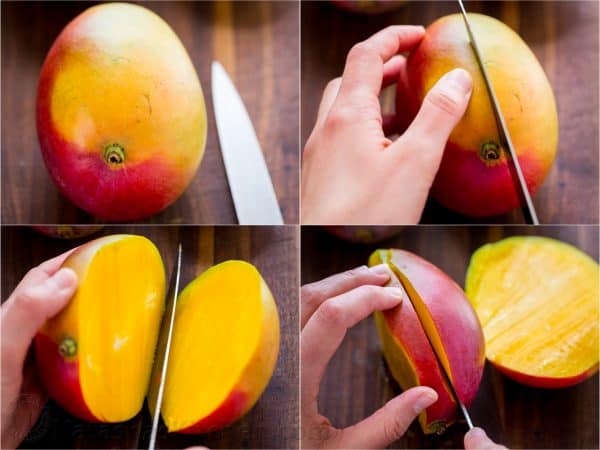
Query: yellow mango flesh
[(225, 340), (114, 317), (537, 300)]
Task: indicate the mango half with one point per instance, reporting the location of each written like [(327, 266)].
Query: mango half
[(95, 356), (537, 299), (449, 319), (223, 352)]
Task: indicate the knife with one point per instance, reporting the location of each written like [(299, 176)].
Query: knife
[(418, 306), (527, 206), (249, 181), (166, 332)]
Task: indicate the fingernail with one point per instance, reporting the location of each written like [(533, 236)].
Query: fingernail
[(381, 269), (63, 278), (461, 79), (396, 292), (477, 433), (426, 399)]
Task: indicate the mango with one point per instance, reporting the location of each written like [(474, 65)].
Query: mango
[(121, 117), (474, 177), (537, 300), (451, 322)]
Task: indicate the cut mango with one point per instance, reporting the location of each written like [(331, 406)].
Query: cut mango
[(96, 355), (224, 349), (537, 300), (442, 318)]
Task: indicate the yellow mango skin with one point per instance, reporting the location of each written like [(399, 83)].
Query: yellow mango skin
[(114, 319), (227, 329), (118, 75), (537, 300)]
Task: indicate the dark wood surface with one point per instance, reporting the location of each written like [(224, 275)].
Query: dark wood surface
[(357, 382), (257, 42), (563, 36), (273, 422)]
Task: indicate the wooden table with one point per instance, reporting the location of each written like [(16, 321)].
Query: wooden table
[(273, 422), (563, 36), (357, 382), (257, 42)]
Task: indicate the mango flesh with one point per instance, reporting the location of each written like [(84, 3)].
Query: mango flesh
[(451, 322), (120, 113), (224, 349), (474, 177), (95, 356), (537, 299)]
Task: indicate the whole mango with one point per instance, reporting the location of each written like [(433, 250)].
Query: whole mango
[(474, 177)]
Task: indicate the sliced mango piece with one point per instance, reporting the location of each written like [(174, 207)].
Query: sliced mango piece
[(95, 356), (224, 349), (537, 300)]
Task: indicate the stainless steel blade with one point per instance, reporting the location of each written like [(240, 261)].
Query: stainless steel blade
[(249, 181), (528, 208), (419, 304), (166, 332)]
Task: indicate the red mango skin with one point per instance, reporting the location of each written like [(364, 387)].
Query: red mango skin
[(545, 382), (468, 181), (61, 379), (134, 86), (231, 410), (456, 324)]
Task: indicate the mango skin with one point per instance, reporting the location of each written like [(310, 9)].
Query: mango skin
[(403, 338), (118, 75), (470, 179)]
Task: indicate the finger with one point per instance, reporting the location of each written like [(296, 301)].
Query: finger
[(442, 108), (329, 95), (313, 294), (477, 439), (52, 265), (391, 421), (327, 327), (45, 269), (404, 112), (392, 70), (363, 73), (28, 307)]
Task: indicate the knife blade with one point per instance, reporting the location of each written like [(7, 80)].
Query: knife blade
[(249, 180), (526, 202), (166, 332), (419, 306)]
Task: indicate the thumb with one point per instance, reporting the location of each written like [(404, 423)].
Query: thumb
[(477, 439), (442, 108), (391, 421), (29, 306)]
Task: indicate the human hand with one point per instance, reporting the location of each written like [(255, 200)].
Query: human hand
[(351, 172), (328, 308), (41, 294), (476, 439)]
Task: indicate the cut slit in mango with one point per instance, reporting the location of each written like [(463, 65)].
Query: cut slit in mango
[(106, 336), (446, 316), (224, 349), (537, 300)]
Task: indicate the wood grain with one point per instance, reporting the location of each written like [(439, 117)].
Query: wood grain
[(256, 41), (564, 37), (357, 381), (273, 422)]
